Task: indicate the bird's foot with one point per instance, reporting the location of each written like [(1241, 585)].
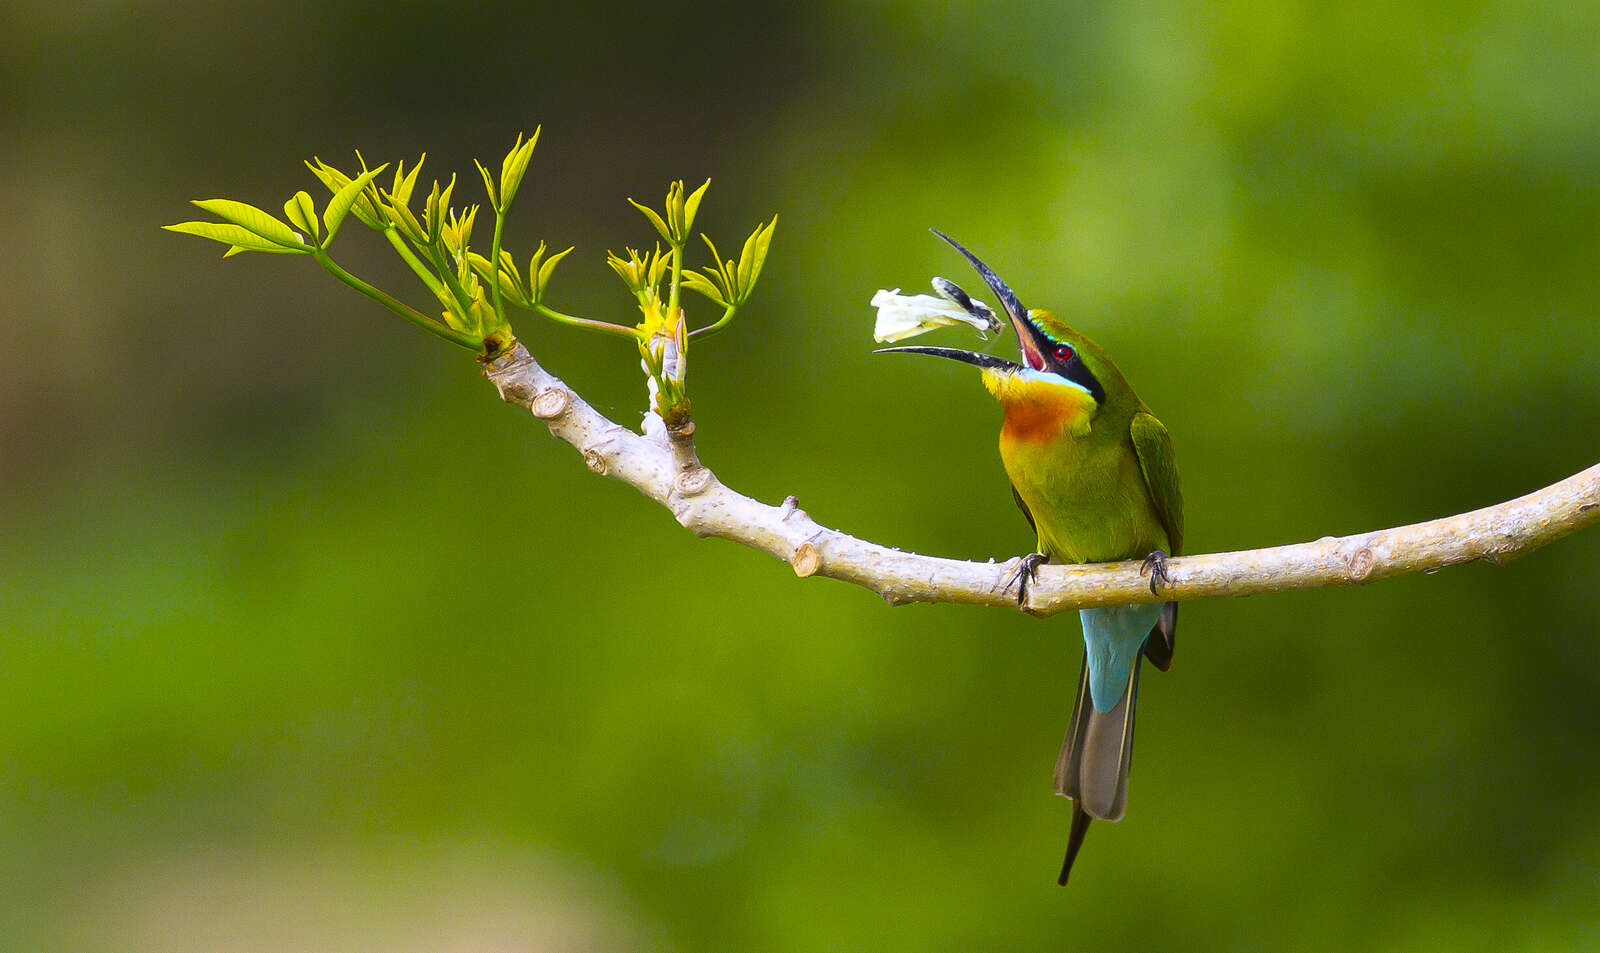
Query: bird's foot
[(1027, 572), (1155, 566)]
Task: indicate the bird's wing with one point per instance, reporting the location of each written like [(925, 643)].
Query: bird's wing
[(1023, 507), (1154, 446)]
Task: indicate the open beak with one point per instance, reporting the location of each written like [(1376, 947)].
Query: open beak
[(955, 354), (1028, 336), (1032, 340)]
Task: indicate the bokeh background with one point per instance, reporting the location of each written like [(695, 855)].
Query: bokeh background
[(307, 642)]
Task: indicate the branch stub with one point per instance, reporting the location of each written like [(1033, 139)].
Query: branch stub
[(692, 482), (551, 403), (807, 559)]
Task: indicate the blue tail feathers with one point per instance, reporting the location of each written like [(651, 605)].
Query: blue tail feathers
[(1112, 640)]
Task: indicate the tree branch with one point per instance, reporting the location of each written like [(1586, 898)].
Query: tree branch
[(666, 469)]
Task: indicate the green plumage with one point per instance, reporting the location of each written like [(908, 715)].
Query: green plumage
[(1097, 478), (1094, 472)]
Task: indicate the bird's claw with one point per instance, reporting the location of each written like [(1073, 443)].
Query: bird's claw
[(1027, 571), (1155, 566)]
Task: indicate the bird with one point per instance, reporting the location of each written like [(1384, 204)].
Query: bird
[(1094, 473)]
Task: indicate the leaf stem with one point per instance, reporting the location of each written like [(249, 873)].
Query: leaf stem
[(721, 323), (416, 265), (463, 300), (398, 307), (677, 278), (589, 323), (494, 286)]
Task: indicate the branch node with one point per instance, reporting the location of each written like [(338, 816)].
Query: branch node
[(513, 390), (807, 559), (1359, 564), (593, 459), (790, 509), (550, 403), (692, 482), (1008, 574), (1501, 555)]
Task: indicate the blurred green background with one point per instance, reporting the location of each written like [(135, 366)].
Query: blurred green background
[(271, 679)]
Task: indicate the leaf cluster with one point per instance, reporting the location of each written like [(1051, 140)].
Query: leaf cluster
[(730, 284), (472, 290)]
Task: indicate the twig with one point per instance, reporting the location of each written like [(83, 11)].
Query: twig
[(673, 476)]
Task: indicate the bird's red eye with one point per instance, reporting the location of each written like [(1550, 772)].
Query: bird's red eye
[(1063, 353)]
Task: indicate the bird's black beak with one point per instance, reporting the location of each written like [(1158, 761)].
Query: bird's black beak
[(955, 354), (1033, 342), (1008, 298)]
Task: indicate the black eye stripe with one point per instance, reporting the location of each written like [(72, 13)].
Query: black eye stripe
[(1073, 368)]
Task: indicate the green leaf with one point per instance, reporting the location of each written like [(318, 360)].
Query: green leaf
[(399, 213), (515, 167), (745, 260), (268, 249), (336, 180), (533, 271), (488, 185), (716, 256), (546, 270), (451, 312), (631, 270), (510, 278), (235, 236), (302, 214), (457, 231), (655, 220), (436, 209), (723, 273), (692, 205), (483, 317), (674, 210), (328, 175), (339, 206), (697, 282), (404, 183), (254, 219), (754, 256)]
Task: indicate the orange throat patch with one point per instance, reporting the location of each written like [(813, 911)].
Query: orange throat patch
[(1039, 407)]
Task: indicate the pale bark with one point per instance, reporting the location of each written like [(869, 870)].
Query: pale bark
[(665, 467)]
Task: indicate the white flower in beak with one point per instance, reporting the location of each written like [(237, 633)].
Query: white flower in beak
[(904, 316)]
